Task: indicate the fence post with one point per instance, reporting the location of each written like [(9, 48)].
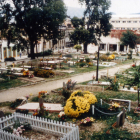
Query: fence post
[(129, 107), (101, 101), (92, 109)]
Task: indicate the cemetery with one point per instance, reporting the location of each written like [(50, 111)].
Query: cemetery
[(68, 112), (102, 108)]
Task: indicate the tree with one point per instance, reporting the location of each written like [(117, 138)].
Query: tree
[(129, 38), (77, 47), (95, 22), (34, 19)]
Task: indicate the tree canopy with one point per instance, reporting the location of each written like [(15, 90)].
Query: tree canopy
[(93, 24), (129, 38), (31, 20)]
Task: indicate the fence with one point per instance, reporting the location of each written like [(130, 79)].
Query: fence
[(67, 131)]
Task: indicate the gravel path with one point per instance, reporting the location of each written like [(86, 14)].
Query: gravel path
[(12, 94)]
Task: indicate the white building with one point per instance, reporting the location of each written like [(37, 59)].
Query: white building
[(112, 42)]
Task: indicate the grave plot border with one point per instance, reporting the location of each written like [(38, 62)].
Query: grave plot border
[(67, 131)]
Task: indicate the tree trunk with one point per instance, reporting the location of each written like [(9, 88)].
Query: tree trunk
[(85, 48), (32, 50)]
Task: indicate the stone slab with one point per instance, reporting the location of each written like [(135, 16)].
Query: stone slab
[(49, 106), (66, 71)]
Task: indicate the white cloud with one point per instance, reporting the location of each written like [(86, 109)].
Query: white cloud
[(117, 6)]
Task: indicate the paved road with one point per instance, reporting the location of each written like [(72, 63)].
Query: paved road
[(12, 94)]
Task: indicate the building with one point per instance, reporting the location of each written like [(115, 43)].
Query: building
[(112, 42)]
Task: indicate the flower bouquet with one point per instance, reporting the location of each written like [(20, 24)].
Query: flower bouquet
[(62, 116), (114, 106), (87, 121)]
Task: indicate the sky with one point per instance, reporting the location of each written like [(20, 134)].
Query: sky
[(119, 7)]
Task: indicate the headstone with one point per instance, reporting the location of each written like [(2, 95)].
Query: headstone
[(120, 118), (1, 114)]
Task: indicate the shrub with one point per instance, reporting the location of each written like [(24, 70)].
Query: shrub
[(16, 103), (87, 60), (66, 93), (103, 57), (35, 99), (82, 64), (43, 73), (10, 59)]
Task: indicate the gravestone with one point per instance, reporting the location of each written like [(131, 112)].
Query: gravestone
[(1, 114), (120, 118)]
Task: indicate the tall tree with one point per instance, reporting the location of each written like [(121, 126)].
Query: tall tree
[(93, 25), (34, 19), (129, 38)]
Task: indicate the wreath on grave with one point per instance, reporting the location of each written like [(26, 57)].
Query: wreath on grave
[(79, 103)]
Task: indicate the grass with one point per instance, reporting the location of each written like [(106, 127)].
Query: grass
[(116, 94), (11, 83)]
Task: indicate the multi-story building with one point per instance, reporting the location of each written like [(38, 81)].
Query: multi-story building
[(119, 24)]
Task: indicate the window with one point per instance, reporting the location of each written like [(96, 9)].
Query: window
[(113, 21), (138, 28), (134, 28), (117, 28), (69, 25), (122, 28), (128, 28), (128, 21), (117, 21), (134, 21), (124, 21)]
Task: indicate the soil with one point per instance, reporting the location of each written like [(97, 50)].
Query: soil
[(35, 135)]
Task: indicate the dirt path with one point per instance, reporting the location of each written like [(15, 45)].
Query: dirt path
[(12, 94)]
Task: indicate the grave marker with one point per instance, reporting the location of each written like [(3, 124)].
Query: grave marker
[(120, 118)]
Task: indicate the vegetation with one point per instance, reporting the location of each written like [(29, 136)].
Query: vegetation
[(43, 73), (129, 38), (77, 47), (87, 29), (32, 20)]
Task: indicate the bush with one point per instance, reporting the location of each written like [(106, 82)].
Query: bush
[(103, 57), (22, 111), (82, 64), (87, 60), (43, 73), (66, 93), (35, 99), (46, 53), (16, 103), (10, 59)]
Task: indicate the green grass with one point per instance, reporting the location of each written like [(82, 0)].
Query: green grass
[(116, 94), (11, 83)]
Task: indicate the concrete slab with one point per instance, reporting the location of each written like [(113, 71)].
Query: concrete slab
[(49, 106)]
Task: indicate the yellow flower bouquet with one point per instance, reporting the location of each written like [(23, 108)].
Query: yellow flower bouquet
[(79, 103)]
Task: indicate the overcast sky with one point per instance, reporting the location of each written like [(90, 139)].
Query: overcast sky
[(118, 7)]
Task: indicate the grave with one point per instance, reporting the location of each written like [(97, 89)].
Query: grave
[(33, 80), (106, 64), (99, 83), (65, 71), (49, 106)]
